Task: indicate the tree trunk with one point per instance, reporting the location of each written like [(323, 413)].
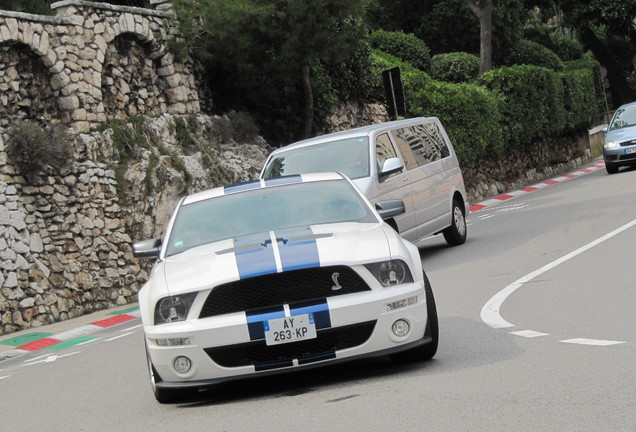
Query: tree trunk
[(307, 103), (621, 92), (483, 11)]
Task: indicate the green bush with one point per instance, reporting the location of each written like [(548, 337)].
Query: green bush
[(457, 67), (532, 53), (579, 98), (597, 80), (406, 47), (533, 107), (470, 114), (34, 149), (413, 79)]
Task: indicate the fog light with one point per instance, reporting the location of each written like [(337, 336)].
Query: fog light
[(182, 364), (401, 328), (172, 341)]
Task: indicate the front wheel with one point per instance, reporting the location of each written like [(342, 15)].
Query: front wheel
[(611, 169), (163, 395), (456, 233), (428, 351)]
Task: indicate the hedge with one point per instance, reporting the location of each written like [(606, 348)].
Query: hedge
[(406, 47), (455, 67), (533, 107)]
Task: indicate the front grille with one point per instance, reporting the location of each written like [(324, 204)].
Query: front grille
[(628, 143), (280, 288), (628, 157), (258, 353)]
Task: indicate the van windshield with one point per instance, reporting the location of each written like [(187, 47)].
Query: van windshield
[(348, 156)]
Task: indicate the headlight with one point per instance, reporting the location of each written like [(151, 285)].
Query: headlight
[(610, 144), (174, 308), (390, 273)]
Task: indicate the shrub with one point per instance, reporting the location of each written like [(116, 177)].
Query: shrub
[(580, 100), (456, 67), (597, 80), (470, 114), (532, 53), (33, 149), (406, 47), (413, 79), (533, 106)]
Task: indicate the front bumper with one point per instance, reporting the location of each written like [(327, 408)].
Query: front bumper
[(360, 312)]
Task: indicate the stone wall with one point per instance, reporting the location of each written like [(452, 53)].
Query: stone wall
[(89, 63), (65, 237)]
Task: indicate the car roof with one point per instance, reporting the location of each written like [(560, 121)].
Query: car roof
[(627, 105), (357, 132), (261, 184)]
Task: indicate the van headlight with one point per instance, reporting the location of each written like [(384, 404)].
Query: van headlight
[(173, 308), (389, 273), (611, 144)]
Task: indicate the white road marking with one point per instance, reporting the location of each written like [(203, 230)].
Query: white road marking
[(3, 377), (490, 312), (52, 358), (118, 337), (88, 341), (132, 328), (595, 342), (529, 333)]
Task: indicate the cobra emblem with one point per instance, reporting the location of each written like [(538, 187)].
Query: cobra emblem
[(334, 278)]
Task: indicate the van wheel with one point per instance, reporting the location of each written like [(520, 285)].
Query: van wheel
[(456, 233), (423, 352), (611, 169)]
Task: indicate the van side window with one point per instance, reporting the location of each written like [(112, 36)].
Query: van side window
[(384, 150), (425, 142)]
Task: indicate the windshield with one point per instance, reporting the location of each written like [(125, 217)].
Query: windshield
[(624, 117), (266, 209), (348, 156)]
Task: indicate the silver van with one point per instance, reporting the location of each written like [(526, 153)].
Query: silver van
[(408, 160)]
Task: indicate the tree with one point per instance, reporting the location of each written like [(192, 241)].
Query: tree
[(483, 11), (600, 23), (260, 55)]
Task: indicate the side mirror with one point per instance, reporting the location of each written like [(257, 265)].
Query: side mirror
[(147, 248), (388, 209), (604, 130), (391, 165)]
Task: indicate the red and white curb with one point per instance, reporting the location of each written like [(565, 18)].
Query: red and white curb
[(71, 334), (498, 200)]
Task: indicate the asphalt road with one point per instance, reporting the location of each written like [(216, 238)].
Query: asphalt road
[(537, 333)]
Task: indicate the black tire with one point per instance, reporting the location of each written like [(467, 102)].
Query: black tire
[(611, 169), (163, 395), (456, 233), (428, 351)]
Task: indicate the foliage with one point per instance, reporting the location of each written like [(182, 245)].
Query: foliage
[(406, 47), (532, 53), (455, 67), (579, 99), (598, 92), (533, 106), (470, 114), (413, 79), (43, 7), (255, 51), (33, 149)]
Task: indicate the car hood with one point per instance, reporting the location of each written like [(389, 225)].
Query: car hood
[(622, 135), (271, 252)]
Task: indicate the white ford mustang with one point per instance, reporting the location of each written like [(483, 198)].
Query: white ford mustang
[(278, 274)]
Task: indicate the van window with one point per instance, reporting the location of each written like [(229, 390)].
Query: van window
[(384, 150), (349, 156), (423, 142)]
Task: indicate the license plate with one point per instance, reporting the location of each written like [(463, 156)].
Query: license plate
[(289, 329), (630, 150)]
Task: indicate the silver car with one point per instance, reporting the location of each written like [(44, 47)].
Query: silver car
[(408, 160), (619, 148)]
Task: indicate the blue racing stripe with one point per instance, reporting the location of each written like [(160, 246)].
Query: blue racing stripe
[(298, 249), (277, 181), (257, 320), (318, 309), (254, 256), (239, 187)]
